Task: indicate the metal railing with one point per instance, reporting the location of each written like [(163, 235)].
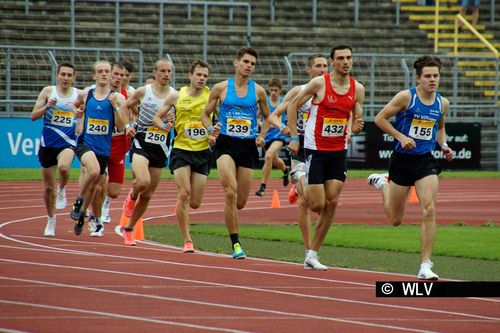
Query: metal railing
[(22, 64), (398, 10), (161, 4), (385, 74)]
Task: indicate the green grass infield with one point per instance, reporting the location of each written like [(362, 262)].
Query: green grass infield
[(461, 252)]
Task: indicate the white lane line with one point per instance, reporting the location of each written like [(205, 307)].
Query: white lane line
[(119, 316), (232, 307), (247, 288)]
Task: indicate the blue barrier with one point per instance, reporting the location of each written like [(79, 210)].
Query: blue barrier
[(19, 143)]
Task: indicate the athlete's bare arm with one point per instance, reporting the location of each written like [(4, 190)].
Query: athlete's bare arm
[(399, 103), (42, 103), (167, 105)]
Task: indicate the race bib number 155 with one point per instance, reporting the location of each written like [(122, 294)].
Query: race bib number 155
[(421, 129)]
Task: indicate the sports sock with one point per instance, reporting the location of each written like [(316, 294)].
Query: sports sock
[(234, 238), (106, 204)]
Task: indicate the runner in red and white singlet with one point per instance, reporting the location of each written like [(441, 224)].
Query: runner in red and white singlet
[(326, 127), (334, 97)]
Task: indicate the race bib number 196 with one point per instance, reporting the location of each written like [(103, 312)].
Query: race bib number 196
[(238, 127), (156, 135), (98, 126), (421, 129), (62, 118), (195, 131), (333, 127)]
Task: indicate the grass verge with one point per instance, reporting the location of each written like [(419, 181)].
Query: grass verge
[(18, 174), (465, 253)]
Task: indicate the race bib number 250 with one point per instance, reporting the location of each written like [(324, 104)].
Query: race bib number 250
[(156, 135)]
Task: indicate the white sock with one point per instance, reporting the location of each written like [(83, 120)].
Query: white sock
[(106, 204), (52, 219)]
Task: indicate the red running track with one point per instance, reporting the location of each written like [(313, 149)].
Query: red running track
[(84, 284)]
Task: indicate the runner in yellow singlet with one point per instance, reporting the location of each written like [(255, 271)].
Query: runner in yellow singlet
[(190, 157)]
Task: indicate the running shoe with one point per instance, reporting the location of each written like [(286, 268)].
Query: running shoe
[(426, 273), (79, 225), (378, 179), (286, 180), (238, 252), (261, 191), (106, 218), (50, 229), (92, 223), (98, 232), (61, 201), (312, 262), (129, 205), (297, 172), (292, 195), (75, 210), (128, 238), (188, 247)]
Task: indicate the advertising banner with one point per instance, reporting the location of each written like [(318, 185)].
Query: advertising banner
[(372, 148)]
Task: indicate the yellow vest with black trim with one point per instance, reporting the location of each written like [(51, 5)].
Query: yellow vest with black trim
[(190, 133)]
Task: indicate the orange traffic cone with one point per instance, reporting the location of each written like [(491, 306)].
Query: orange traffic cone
[(138, 228), (275, 203), (412, 197)]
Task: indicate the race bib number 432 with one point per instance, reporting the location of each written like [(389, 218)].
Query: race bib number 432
[(62, 118), (333, 127), (98, 126), (421, 129), (156, 135), (238, 127)]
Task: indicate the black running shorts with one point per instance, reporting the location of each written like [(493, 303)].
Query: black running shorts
[(405, 169)]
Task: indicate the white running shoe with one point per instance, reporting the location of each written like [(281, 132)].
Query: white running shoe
[(426, 273), (50, 229), (106, 218), (92, 224), (61, 201), (378, 179), (297, 172), (98, 232), (312, 262)]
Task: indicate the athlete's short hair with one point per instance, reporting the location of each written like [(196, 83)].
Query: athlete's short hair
[(117, 64), (66, 64), (275, 82), (198, 63), (339, 47), (427, 61), (128, 65), (310, 60), (157, 62), (98, 62), (246, 50)]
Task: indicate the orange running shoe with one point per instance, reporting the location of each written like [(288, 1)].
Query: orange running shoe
[(292, 195), (128, 238), (188, 247), (129, 205)]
